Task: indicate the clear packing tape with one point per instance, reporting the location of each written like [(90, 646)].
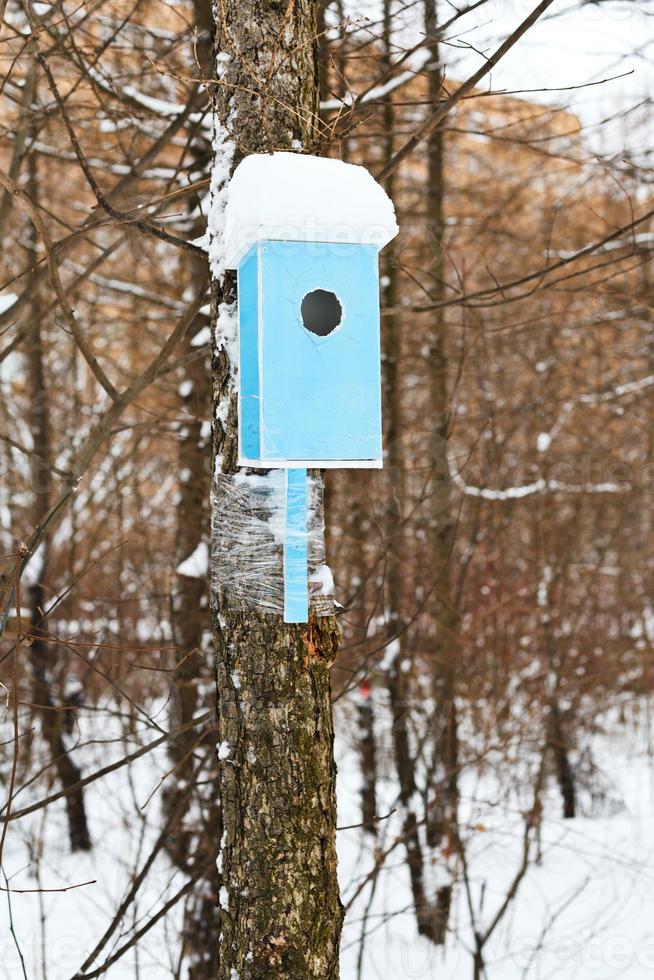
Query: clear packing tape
[(251, 533)]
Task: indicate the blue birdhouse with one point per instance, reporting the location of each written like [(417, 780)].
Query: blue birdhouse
[(309, 355), (304, 234)]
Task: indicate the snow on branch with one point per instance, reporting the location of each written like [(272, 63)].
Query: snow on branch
[(197, 564), (540, 486)]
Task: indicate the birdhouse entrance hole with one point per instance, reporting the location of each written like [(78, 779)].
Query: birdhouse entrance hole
[(321, 312)]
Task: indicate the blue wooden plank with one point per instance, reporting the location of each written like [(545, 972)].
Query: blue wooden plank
[(248, 332), (296, 575)]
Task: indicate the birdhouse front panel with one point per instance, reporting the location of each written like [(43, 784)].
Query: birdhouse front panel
[(310, 384)]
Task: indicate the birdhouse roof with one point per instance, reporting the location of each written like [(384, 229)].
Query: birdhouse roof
[(293, 197)]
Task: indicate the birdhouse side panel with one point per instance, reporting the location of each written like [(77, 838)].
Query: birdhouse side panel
[(249, 376), (320, 365)]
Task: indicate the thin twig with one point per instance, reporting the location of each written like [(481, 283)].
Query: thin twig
[(11, 918)]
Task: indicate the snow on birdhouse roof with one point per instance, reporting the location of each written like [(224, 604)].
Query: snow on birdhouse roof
[(293, 197)]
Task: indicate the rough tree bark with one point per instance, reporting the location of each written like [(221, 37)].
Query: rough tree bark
[(279, 903)]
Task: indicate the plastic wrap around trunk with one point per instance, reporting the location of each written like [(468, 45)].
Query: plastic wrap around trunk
[(248, 514)]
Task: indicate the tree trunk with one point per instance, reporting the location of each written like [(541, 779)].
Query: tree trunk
[(193, 842), (442, 810), (368, 751), (279, 904), (558, 745), (42, 654), (399, 672)]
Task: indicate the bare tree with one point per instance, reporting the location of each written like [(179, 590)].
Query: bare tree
[(280, 908)]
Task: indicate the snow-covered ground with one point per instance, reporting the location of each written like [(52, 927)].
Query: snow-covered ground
[(61, 928), (585, 912)]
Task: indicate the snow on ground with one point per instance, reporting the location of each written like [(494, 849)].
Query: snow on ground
[(585, 913), (61, 928)]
